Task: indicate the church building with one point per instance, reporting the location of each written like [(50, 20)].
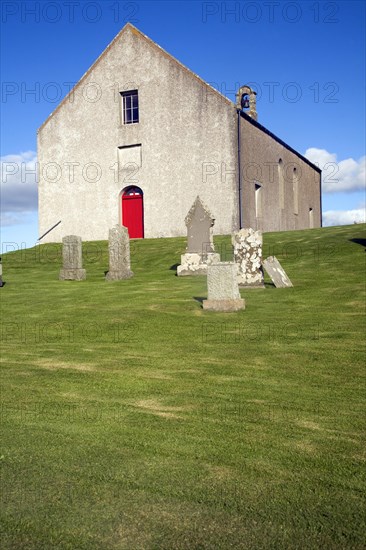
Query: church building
[(140, 136)]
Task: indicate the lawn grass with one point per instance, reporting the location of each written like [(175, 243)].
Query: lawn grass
[(133, 419)]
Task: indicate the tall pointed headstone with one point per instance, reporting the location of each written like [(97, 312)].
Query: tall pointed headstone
[(200, 250)]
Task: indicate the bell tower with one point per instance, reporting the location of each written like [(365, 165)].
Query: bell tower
[(246, 101)]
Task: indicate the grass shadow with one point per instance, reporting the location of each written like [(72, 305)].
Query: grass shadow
[(362, 242)]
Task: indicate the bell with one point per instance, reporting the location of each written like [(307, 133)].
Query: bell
[(245, 101)]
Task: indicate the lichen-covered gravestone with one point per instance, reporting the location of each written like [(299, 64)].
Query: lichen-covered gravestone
[(223, 289), (72, 259), (276, 272), (247, 245), (200, 250), (119, 254)]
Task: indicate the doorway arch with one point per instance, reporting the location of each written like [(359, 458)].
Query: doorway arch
[(133, 211)]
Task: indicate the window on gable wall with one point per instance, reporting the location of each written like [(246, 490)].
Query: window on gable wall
[(281, 185), (295, 185), (258, 200), (130, 107)]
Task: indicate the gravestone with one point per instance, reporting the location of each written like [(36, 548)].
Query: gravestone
[(276, 272), (223, 289), (119, 254), (200, 251), (72, 259), (247, 245)]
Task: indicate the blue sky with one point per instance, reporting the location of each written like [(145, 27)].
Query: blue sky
[(305, 59)]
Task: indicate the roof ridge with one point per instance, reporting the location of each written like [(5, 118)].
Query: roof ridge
[(135, 30)]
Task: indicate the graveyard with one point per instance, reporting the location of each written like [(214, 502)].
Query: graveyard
[(134, 418)]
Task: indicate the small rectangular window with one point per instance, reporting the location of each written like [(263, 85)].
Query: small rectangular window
[(295, 185), (281, 185), (258, 200), (311, 218), (130, 107)]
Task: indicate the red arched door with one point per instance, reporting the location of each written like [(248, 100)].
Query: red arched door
[(133, 212)]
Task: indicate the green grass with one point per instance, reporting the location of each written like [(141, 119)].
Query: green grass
[(133, 419)]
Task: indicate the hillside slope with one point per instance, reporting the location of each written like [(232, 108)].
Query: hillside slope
[(133, 419)]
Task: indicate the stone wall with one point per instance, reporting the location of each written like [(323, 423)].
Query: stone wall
[(186, 144), (184, 126), (260, 166)]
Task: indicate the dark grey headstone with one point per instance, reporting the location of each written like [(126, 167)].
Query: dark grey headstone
[(119, 254), (199, 222), (72, 259), (200, 251)]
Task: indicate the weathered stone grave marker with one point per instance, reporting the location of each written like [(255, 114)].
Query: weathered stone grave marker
[(119, 254), (72, 259), (276, 272), (247, 245), (200, 250), (223, 289)]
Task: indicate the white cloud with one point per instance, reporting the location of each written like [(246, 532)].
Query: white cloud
[(19, 194), (343, 175), (344, 217)]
